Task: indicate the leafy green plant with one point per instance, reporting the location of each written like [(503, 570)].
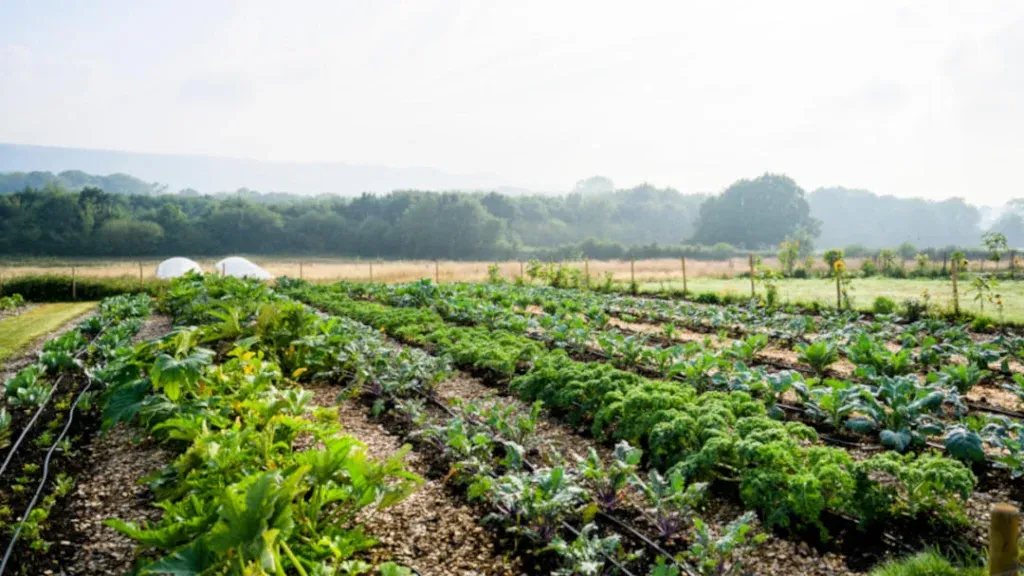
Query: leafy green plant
[(883, 305), (717, 556), (586, 554), (833, 403), (533, 505), (670, 501), (607, 483), (963, 377), (902, 412), (819, 355)]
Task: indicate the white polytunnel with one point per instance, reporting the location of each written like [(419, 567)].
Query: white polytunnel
[(175, 267), (242, 268)]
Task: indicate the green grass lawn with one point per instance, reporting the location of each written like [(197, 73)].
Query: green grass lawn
[(865, 290), (18, 332)]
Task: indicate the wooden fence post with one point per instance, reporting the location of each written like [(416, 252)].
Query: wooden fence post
[(586, 271), (437, 272), (1004, 529), (682, 260), (750, 259), (839, 291), (954, 268), (632, 272), (300, 270), (74, 284)]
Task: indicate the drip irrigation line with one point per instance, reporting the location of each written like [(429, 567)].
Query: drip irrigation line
[(42, 481), (607, 517), (42, 407), (28, 427)]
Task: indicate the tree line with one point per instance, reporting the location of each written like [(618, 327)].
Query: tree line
[(70, 216)]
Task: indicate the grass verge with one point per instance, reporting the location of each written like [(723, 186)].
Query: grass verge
[(18, 332)]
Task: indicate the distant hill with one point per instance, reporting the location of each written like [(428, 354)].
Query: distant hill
[(211, 174), (75, 180)]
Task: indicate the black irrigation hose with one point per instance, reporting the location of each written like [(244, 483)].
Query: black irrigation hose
[(42, 482), (25, 430), (28, 427)]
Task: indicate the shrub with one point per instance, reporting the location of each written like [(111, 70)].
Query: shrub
[(856, 251), (868, 269), (883, 305), (982, 324), (57, 287), (913, 309), (708, 298)]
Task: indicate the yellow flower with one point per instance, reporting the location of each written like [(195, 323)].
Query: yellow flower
[(839, 266)]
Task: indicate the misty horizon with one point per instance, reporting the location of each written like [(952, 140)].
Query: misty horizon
[(903, 99)]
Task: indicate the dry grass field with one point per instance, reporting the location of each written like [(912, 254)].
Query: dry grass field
[(330, 269)]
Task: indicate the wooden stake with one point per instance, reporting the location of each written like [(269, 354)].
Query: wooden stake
[(750, 259), (1004, 530), (954, 268), (683, 260), (437, 272), (839, 292), (586, 271), (632, 271), (300, 270), (74, 285)]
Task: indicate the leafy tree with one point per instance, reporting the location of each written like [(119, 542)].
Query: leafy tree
[(996, 244), (906, 250), (755, 213), (125, 237)]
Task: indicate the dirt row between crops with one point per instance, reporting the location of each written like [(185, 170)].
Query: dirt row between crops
[(432, 530)]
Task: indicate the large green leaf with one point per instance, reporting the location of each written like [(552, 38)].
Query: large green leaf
[(861, 424), (898, 441), (192, 560), (964, 444), (172, 375), (124, 403)]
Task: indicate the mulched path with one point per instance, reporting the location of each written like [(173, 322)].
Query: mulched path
[(431, 530), (108, 487)]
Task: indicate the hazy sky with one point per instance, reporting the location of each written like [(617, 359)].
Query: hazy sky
[(920, 98)]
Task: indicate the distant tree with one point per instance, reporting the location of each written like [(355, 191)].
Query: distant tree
[(996, 244), (594, 185), (126, 237), (755, 213), (906, 250)]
